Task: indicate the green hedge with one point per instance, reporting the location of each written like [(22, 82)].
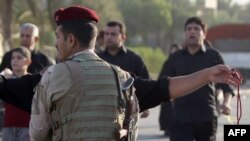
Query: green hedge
[(152, 57)]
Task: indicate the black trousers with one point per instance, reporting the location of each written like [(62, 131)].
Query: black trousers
[(165, 116), (196, 131)]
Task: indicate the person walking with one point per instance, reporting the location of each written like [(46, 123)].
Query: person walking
[(194, 115)]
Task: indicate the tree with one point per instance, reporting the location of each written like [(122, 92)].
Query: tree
[(148, 19), (244, 14), (181, 10), (105, 9), (7, 17)]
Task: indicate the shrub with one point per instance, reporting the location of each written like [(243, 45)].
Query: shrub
[(152, 57)]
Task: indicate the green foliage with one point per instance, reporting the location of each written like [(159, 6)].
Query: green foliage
[(149, 19), (245, 13), (180, 10), (226, 13), (48, 38), (146, 15), (152, 57), (157, 23), (106, 10)]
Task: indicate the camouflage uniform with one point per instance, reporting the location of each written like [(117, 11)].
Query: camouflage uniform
[(77, 100)]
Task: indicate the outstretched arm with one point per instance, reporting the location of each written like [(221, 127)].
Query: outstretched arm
[(19, 91), (150, 93), (180, 86)]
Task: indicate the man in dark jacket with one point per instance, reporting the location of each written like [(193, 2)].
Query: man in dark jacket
[(117, 54), (194, 116)]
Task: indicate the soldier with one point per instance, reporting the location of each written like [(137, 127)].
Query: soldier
[(79, 96)]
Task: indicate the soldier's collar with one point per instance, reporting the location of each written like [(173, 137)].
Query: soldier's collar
[(83, 55)]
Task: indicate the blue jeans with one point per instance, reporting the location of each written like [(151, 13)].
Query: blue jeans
[(16, 134)]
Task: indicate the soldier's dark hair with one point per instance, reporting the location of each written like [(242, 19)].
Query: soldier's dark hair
[(121, 26), (196, 20), (85, 32), (22, 50)]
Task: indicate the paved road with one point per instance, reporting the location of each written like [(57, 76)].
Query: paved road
[(149, 127)]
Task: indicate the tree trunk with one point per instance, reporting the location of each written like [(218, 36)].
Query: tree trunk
[(7, 17), (37, 13), (51, 14)]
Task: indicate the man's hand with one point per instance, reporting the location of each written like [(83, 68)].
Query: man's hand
[(187, 84), (7, 73), (225, 109), (222, 74), (145, 114)]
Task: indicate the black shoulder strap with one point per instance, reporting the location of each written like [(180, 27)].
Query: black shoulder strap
[(122, 102)]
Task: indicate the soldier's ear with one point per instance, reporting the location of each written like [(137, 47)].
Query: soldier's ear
[(71, 40)]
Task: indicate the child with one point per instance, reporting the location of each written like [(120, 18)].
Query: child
[(16, 121)]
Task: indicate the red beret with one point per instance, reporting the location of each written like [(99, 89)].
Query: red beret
[(75, 13)]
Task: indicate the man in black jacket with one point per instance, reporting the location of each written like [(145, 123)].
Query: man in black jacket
[(117, 54), (194, 116)]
